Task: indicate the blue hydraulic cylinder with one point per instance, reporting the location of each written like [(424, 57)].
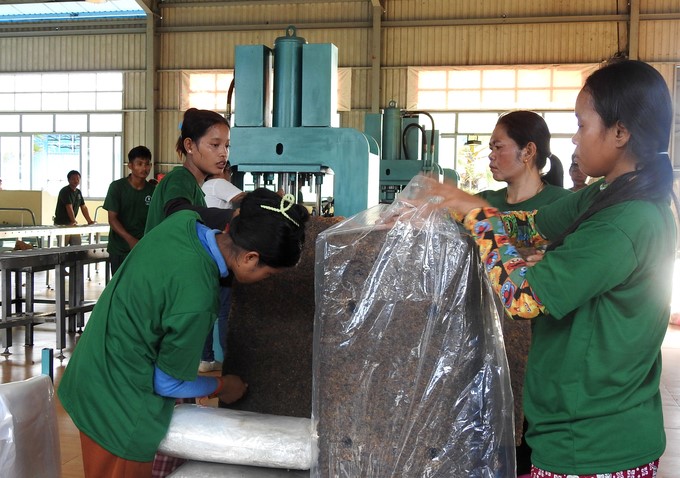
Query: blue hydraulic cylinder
[(288, 80), (320, 80), (253, 83), (391, 133)]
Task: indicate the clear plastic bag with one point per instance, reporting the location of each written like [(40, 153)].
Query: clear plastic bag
[(29, 435), (410, 373), (221, 435), (198, 469)]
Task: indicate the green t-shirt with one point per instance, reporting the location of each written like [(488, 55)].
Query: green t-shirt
[(592, 386), (132, 206), (178, 183), (142, 319), (67, 196), (546, 196)]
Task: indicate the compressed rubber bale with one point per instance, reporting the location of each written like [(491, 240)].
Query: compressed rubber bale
[(237, 437), (271, 326), (517, 338), (410, 373)]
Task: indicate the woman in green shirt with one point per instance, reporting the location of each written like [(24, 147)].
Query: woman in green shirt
[(600, 297), (204, 146), (520, 149), (143, 342)]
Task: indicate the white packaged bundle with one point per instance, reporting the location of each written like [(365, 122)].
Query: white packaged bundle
[(222, 435), (196, 469)]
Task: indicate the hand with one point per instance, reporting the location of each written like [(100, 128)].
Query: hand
[(451, 197), (534, 258), (234, 388), (531, 255)]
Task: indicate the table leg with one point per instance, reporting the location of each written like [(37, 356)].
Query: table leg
[(60, 302), (6, 336), (79, 297), (30, 308), (18, 293), (73, 280), (47, 273)]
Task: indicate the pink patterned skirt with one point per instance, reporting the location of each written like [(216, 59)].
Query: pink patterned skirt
[(645, 471)]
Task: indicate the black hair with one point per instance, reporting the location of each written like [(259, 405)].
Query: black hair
[(556, 174), (525, 127), (634, 94), (194, 125), (72, 172), (277, 235), (141, 152)]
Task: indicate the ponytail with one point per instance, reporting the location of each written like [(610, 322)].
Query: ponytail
[(555, 176)]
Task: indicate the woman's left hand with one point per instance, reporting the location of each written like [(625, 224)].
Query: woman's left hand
[(534, 258), (234, 388), (452, 197)]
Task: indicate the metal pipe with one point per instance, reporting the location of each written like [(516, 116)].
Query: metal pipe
[(423, 141), (20, 209), (318, 182)]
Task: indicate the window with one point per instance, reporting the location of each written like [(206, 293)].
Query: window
[(49, 122), (496, 88), (675, 136), (466, 103), (464, 139), (206, 89)]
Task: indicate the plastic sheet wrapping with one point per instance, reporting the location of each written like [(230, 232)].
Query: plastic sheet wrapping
[(195, 469), (410, 374), (221, 435), (29, 435)]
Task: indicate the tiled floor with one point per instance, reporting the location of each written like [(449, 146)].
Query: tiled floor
[(24, 362)]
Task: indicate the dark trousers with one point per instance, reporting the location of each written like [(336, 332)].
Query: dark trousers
[(116, 260)]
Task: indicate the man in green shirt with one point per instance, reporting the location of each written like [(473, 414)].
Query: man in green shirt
[(69, 201), (127, 202)]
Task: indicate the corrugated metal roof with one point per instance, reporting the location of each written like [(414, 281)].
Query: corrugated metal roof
[(69, 10)]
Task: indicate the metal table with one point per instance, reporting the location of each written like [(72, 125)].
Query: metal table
[(13, 264), (49, 232), (93, 231)]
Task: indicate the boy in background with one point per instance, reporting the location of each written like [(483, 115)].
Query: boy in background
[(127, 202), (69, 201)]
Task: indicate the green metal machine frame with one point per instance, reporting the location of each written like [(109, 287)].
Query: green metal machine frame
[(283, 123)]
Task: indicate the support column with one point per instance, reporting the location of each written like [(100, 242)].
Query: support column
[(376, 58)]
